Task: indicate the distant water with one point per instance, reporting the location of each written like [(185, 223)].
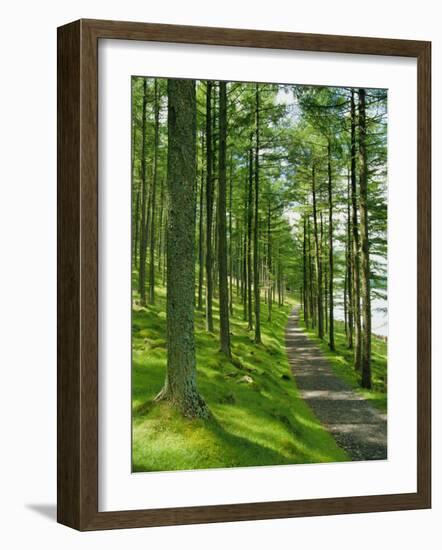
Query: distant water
[(379, 316)]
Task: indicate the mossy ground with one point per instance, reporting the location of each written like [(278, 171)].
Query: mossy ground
[(342, 363), (257, 415)]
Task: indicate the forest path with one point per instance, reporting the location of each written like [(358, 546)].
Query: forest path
[(355, 424)]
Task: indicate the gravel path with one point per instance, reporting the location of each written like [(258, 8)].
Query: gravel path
[(356, 425)]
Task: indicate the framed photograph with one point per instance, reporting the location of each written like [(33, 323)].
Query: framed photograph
[(243, 274)]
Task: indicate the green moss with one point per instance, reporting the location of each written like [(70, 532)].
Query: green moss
[(257, 416)]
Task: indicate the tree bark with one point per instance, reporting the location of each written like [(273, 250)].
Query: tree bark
[(136, 226), (312, 308), (365, 254), (349, 264), (249, 243), (164, 254), (230, 238), (154, 189), (180, 387), (256, 228), (324, 263), (136, 194), (244, 284), (160, 227), (215, 133), (143, 236), (222, 225), (317, 258), (201, 234), (331, 328), (209, 209), (355, 228), (345, 299), (269, 262), (304, 273)]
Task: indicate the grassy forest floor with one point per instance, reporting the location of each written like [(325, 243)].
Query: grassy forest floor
[(342, 363), (258, 417)]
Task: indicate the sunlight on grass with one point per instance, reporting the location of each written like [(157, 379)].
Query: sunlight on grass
[(257, 415)]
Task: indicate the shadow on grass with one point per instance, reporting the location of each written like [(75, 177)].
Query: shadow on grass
[(258, 418), (229, 444)]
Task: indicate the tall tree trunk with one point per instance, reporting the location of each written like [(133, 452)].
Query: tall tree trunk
[(269, 262), (318, 258), (222, 225), (135, 193), (143, 236), (154, 189), (244, 285), (215, 241), (215, 132), (209, 209), (136, 227), (164, 254), (304, 273), (312, 308), (180, 387), (355, 228), (278, 281), (238, 263), (201, 234), (256, 229), (325, 296), (349, 264), (365, 254), (249, 243), (345, 299), (230, 237), (331, 328), (160, 227), (324, 274)]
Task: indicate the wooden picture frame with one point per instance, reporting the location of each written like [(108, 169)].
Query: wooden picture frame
[(77, 460)]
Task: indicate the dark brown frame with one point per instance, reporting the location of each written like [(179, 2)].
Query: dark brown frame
[(77, 459)]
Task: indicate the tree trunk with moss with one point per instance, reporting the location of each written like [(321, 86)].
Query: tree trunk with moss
[(311, 276), (319, 297), (136, 227), (201, 234), (231, 238), (249, 242), (269, 262), (349, 271), (222, 225), (154, 190), (256, 289), (331, 320), (160, 227), (209, 209), (355, 242), (304, 272), (143, 237), (180, 387), (244, 285), (365, 254)]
